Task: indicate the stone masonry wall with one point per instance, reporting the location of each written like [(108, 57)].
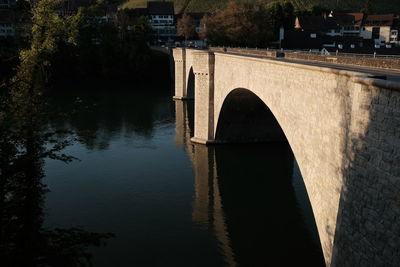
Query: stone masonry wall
[(368, 222)]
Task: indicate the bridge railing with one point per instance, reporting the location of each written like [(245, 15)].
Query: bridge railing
[(305, 51), (366, 60)]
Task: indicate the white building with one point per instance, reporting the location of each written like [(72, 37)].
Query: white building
[(161, 17), (381, 29)]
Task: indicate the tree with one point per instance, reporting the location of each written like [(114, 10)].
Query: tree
[(240, 24), (368, 7), (288, 15), (25, 142), (318, 10), (186, 27)]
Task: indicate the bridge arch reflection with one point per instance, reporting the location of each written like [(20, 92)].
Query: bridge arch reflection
[(249, 197)]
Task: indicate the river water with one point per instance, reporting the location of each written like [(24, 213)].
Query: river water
[(167, 201)]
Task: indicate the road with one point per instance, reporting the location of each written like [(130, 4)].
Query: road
[(391, 75)]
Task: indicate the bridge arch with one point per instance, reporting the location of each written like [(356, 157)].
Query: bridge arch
[(190, 85), (311, 129), (245, 118), (306, 129)]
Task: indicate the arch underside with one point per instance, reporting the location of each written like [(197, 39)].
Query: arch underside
[(245, 118), (190, 84), (189, 75)]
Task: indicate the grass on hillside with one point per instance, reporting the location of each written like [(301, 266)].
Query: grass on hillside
[(143, 3)]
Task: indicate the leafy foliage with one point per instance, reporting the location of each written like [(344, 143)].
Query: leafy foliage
[(186, 27), (252, 25), (381, 6), (25, 142)]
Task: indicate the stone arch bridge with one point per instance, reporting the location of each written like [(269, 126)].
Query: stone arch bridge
[(343, 128)]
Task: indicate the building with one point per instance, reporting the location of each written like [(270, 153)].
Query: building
[(348, 32), (7, 18), (7, 23), (161, 17), (349, 23), (7, 4), (312, 24), (105, 13), (380, 28)]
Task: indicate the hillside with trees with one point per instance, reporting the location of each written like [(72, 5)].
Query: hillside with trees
[(378, 6), (247, 24)]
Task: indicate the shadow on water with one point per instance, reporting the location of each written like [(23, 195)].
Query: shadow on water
[(95, 116), (254, 199), (24, 241), (99, 116), (261, 209)]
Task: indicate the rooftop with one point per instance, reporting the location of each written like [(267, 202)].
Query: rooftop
[(160, 8), (353, 19), (380, 20), (310, 23)]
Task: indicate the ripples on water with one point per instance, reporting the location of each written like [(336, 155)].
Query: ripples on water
[(169, 202)]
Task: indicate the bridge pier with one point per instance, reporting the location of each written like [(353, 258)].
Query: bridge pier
[(180, 73), (203, 65)]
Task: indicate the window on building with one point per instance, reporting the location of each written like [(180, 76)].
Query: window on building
[(376, 32)]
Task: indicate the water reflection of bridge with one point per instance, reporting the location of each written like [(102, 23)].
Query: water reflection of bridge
[(244, 231), (207, 209)]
